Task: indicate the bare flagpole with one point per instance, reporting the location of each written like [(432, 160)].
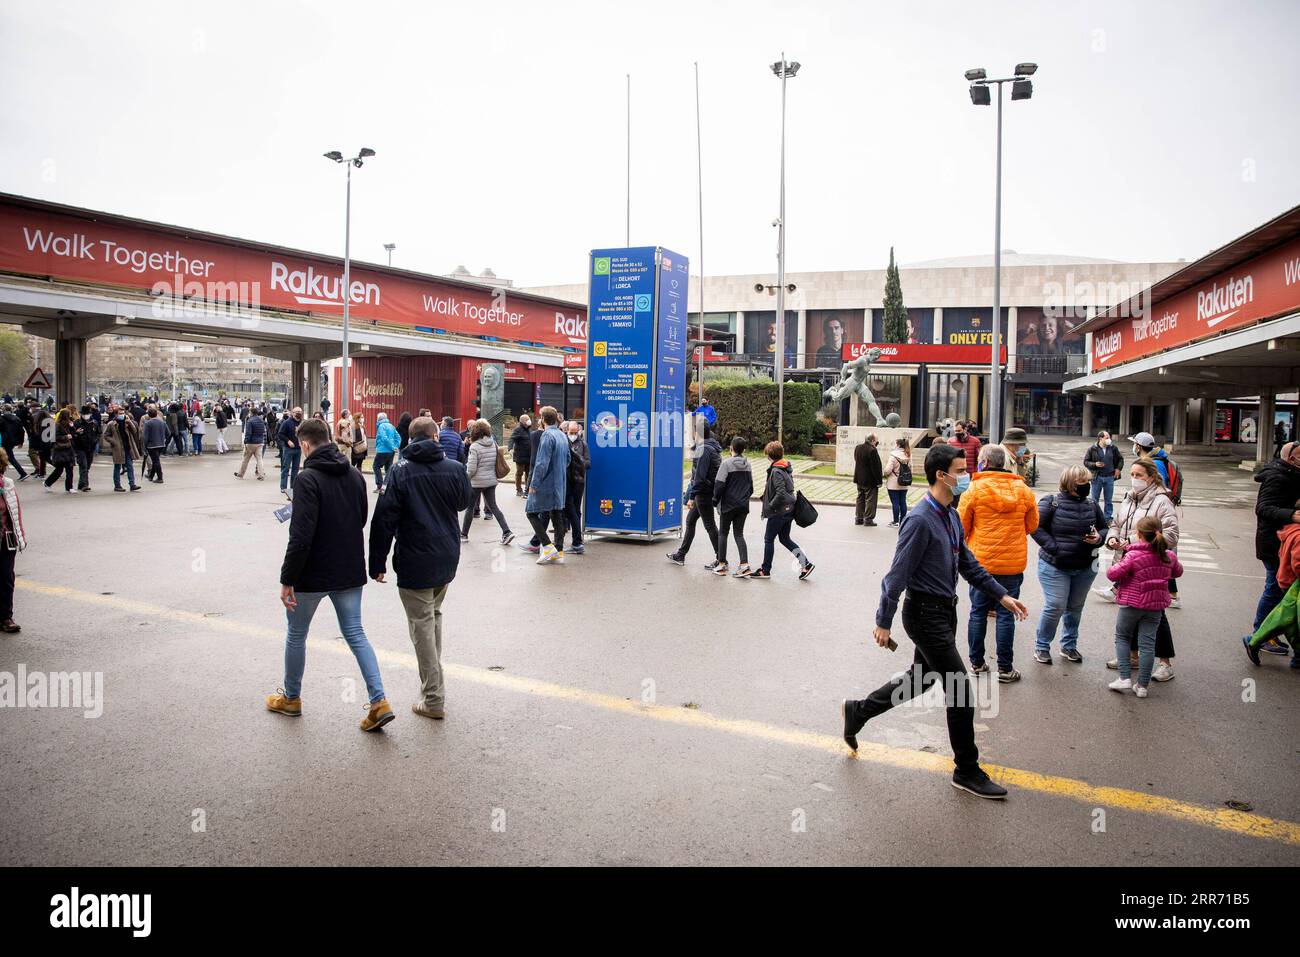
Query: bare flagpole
[(628, 238), (699, 166)]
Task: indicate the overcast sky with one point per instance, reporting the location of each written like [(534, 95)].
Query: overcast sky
[(1157, 130)]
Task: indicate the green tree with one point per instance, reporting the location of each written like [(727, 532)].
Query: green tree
[(895, 312), (14, 360)]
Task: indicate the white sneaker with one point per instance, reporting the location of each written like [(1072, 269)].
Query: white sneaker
[(547, 555), (1163, 672), (1105, 594), (1121, 684), (1175, 602), (557, 558), (1140, 691)]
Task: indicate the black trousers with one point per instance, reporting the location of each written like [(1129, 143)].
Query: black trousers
[(573, 510), (13, 460), (539, 521), (489, 498), (734, 522), (153, 468), (7, 556), (868, 499), (931, 622), (702, 512), (64, 469), (83, 468)]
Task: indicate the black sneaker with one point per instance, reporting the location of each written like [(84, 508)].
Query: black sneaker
[(711, 565), (1252, 653), (848, 711), (1006, 677), (1043, 657), (507, 538), (760, 574), (979, 784), (1072, 654), (676, 559), (979, 669), (806, 571)]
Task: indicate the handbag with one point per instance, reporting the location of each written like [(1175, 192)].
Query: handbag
[(804, 512), (503, 468)]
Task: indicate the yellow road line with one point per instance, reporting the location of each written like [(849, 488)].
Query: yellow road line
[(1222, 819)]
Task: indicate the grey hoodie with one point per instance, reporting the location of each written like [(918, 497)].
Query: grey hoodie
[(734, 484)]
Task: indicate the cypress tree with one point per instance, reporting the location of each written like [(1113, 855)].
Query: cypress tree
[(895, 326)]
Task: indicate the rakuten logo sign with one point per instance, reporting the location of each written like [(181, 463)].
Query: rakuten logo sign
[(1222, 302), (311, 288), (1107, 345), (575, 327)]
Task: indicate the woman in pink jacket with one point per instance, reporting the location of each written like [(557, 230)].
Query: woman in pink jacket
[(1141, 580)]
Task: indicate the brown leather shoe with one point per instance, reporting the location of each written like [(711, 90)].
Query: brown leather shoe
[(424, 710), (380, 714), (10, 626), (281, 704)]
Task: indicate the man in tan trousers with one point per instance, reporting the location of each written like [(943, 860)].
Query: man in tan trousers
[(422, 496)]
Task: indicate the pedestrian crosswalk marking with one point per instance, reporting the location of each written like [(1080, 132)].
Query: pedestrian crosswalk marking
[(1219, 818)]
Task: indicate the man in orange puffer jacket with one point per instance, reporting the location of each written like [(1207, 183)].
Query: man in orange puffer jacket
[(998, 512)]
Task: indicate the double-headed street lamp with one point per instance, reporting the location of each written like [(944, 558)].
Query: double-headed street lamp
[(356, 161), (389, 247), (782, 69), (1022, 88)]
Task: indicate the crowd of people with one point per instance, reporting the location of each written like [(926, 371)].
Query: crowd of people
[(973, 522)]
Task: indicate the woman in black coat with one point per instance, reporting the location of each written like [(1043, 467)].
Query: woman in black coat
[(1070, 526)]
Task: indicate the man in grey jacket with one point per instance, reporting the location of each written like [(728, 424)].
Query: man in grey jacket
[(155, 440)]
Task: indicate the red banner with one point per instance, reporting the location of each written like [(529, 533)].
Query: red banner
[(1260, 288), (905, 352), (99, 250)]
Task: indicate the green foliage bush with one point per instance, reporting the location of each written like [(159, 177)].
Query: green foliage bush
[(747, 407)]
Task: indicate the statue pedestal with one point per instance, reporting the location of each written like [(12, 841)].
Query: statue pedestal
[(849, 437)]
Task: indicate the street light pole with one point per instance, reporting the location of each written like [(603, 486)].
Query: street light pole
[(783, 70), (1022, 88), (995, 368), (356, 161)]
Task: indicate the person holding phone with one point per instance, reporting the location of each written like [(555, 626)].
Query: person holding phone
[(1068, 535), (931, 554)]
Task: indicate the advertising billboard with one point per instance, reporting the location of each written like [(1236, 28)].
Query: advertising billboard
[(636, 390), (827, 332)]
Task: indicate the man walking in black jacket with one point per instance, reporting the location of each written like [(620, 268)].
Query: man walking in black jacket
[(326, 558), (867, 476), (422, 496), (521, 449), (699, 496)]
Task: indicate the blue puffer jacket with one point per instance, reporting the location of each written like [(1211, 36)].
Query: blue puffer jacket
[(548, 478), (386, 437), (1063, 521), (452, 446), (255, 430)]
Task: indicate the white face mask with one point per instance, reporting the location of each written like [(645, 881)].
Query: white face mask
[(1140, 485)]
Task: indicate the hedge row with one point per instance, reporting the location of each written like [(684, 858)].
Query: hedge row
[(747, 407)]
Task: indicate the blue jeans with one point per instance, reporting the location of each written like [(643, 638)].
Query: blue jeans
[(383, 463), (126, 467), (980, 603), (289, 467), (898, 501), (1064, 593), (1135, 624), (778, 527), (197, 439), (1272, 595), (347, 608), (1104, 483)]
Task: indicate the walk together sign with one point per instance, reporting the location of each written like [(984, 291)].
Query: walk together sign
[(636, 390)]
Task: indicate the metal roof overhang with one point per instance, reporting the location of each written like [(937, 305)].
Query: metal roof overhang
[(1259, 240), (39, 308), (1266, 355)]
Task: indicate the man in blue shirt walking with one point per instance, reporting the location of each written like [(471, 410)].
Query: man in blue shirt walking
[(931, 554)]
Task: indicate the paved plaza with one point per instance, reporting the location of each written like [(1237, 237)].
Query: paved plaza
[(618, 709)]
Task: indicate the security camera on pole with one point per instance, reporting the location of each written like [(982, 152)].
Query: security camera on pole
[(356, 161)]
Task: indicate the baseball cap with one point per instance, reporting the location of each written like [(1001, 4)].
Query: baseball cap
[(1144, 439)]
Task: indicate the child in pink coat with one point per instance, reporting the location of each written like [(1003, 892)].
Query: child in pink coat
[(1142, 591)]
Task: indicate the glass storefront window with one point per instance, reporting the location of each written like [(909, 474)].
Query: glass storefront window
[(948, 396), (888, 390), (1105, 415), (1048, 412)]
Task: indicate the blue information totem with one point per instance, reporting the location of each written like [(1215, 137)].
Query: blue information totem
[(636, 390)]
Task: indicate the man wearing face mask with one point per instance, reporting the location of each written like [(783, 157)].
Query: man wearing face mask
[(997, 514), (1014, 442), (931, 554), (85, 439), (579, 462), (1106, 464)]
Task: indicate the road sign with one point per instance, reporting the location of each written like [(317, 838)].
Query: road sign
[(37, 380)]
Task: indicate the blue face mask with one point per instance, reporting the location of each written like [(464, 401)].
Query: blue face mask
[(963, 483)]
